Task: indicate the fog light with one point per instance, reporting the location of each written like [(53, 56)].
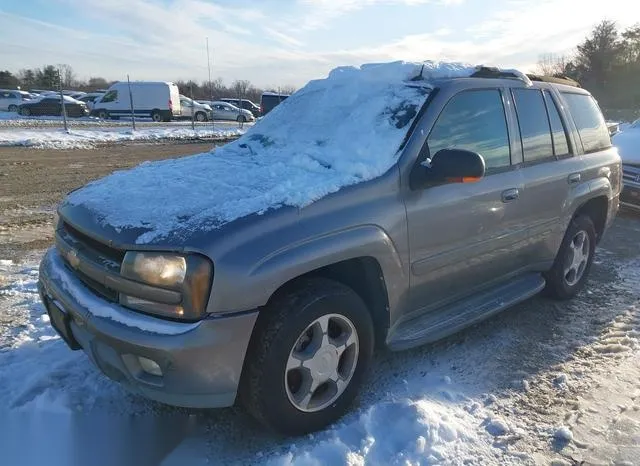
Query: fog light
[(149, 366)]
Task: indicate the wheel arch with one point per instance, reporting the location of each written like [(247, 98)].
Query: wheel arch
[(364, 276), (596, 209)]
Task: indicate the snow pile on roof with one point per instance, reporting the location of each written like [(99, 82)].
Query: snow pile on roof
[(628, 143), (88, 139), (334, 132)]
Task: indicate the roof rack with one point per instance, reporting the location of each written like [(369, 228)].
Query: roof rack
[(497, 73), (556, 79)]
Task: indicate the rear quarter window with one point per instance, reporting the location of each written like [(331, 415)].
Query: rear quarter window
[(589, 121)]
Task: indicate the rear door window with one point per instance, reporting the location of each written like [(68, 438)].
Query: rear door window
[(558, 131), (592, 128), (534, 125), (474, 120)]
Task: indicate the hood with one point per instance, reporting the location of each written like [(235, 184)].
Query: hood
[(335, 132), (628, 143)]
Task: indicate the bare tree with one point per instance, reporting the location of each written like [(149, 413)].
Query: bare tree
[(67, 75), (287, 89), (550, 64), (240, 87)]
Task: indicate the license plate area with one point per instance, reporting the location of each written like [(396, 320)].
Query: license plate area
[(61, 323)]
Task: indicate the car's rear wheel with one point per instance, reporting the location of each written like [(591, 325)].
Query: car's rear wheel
[(13, 108), (241, 119), (573, 262), (201, 116), (103, 114), (25, 111), (156, 116), (310, 352)]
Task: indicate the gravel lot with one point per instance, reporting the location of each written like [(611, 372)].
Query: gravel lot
[(32, 183)]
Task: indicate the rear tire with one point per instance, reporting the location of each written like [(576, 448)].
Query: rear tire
[(157, 116), (573, 262), (335, 325), (13, 108), (25, 112)]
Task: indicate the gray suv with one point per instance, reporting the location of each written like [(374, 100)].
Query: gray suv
[(237, 275)]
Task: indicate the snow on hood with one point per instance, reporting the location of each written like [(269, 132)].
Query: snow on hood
[(334, 132), (628, 143)]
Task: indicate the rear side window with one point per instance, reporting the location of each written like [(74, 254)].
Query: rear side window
[(558, 131), (534, 124), (589, 121), (474, 120)]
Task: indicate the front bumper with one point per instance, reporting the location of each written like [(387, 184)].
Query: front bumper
[(201, 362)]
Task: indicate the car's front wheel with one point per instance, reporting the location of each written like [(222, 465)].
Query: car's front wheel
[(201, 116), (241, 119), (310, 353), (574, 259), (103, 114)]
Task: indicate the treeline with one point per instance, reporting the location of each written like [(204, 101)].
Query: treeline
[(607, 63), (50, 77)]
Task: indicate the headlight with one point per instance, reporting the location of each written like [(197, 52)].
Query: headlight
[(189, 274)]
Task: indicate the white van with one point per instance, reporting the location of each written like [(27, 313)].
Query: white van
[(158, 100)]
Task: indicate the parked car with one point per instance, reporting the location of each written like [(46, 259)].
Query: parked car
[(51, 104), (158, 100), (90, 98), (10, 100), (227, 111), (628, 144), (203, 112), (244, 104), (269, 270), (270, 100)]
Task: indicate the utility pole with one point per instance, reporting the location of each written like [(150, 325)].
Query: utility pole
[(210, 87), (64, 109), (133, 114)]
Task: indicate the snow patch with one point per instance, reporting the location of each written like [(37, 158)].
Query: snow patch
[(87, 139)]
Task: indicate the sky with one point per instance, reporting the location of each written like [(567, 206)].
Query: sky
[(288, 42)]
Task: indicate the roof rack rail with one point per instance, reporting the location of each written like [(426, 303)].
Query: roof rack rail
[(497, 73), (556, 79)]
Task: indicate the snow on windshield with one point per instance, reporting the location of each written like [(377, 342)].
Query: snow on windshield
[(334, 132)]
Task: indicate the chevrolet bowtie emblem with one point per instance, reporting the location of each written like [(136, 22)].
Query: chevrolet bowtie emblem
[(72, 257)]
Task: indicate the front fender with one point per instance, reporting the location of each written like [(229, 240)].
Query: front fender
[(296, 259)]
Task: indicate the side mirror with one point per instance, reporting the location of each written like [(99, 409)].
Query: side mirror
[(449, 166)]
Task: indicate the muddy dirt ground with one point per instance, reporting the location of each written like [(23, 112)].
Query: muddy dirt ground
[(32, 183)]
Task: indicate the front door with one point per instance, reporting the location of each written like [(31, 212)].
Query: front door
[(466, 236)]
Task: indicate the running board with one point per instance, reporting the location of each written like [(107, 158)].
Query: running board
[(447, 320)]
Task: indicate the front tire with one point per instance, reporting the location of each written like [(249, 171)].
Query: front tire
[(308, 357), (241, 119), (573, 262), (157, 116), (103, 114), (201, 116)]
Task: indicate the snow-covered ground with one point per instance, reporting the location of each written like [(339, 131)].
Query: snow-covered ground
[(542, 383), (89, 138)]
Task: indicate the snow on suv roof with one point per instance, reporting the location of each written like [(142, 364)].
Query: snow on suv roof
[(334, 132)]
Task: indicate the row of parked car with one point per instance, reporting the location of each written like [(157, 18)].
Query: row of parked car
[(160, 101)]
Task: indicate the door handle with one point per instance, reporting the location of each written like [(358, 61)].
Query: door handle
[(574, 178), (510, 195)]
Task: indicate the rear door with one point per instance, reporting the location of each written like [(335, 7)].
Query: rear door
[(550, 170), (467, 236)]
